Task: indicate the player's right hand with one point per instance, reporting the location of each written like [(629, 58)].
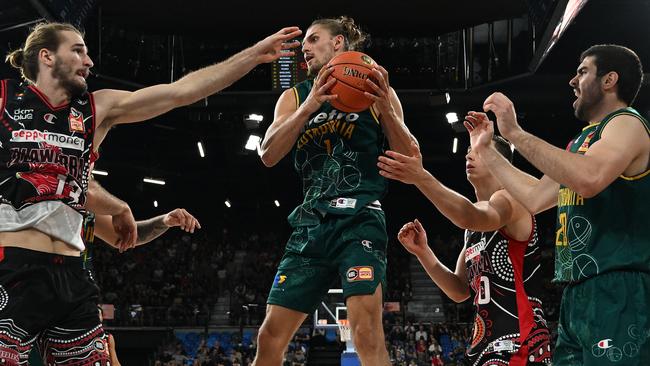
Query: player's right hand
[(480, 128), (413, 237), (277, 45), (180, 217), (318, 94)]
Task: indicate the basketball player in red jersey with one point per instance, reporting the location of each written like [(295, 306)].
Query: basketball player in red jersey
[(50, 130), (498, 266)]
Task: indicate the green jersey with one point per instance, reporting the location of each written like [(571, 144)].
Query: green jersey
[(609, 231), (336, 158)]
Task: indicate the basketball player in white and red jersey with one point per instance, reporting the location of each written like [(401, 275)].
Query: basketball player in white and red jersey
[(498, 266), (50, 131)]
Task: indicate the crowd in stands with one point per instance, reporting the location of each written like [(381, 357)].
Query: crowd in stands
[(224, 348), (177, 280)]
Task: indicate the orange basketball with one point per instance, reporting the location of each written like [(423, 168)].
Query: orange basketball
[(351, 69)]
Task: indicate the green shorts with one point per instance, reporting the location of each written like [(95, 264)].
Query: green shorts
[(605, 320), (345, 251)]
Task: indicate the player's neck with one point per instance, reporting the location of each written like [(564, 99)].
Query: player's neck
[(50, 88), (604, 108), (485, 188)]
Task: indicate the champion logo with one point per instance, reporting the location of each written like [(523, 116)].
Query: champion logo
[(49, 118), (367, 245), (605, 344)]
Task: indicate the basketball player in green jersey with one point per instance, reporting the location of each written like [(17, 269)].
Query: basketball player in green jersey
[(339, 232), (600, 185)]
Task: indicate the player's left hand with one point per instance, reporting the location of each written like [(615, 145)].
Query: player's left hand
[(378, 81), (180, 217), (277, 45), (504, 110)]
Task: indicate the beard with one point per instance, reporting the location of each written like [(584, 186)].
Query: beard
[(588, 102), (67, 79), (313, 70)]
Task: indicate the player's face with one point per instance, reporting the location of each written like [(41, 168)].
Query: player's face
[(72, 63), (317, 48), (474, 167), (586, 86)]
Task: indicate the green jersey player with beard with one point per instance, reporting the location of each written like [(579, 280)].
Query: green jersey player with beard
[(339, 231)]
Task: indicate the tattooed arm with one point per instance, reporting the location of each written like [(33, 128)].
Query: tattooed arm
[(150, 229)]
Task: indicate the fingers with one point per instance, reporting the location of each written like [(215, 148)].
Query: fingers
[(290, 32), (379, 92), (326, 85), (388, 165), (133, 236), (183, 219), (396, 156), (381, 75), (468, 126), (418, 226), (322, 76)]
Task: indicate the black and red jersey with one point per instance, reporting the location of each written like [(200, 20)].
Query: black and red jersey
[(45, 150), (509, 324)]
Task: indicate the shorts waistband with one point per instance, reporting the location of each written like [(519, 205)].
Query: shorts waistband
[(22, 255)]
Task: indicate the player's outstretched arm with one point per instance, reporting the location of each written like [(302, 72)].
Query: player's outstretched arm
[(115, 106), (148, 230)]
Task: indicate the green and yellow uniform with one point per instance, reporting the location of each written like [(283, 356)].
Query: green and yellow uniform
[(603, 253), (339, 228)]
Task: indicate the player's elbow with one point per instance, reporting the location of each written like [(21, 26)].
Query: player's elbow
[(268, 159), (460, 296), (589, 187)]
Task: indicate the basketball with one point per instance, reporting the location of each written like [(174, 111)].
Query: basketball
[(351, 69)]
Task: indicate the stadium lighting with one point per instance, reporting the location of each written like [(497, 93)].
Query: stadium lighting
[(154, 181), (253, 142), (255, 117), (201, 152), (452, 117)]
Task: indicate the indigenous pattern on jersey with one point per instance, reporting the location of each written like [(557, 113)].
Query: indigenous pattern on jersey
[(45, 151), (609, 231), (509, 324), (336, 158)]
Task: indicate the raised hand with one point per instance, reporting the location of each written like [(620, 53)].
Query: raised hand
[(480, 128), (413, 237), (504, 110), (276, 45), (406, 169)]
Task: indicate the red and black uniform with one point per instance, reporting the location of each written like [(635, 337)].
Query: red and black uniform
[(509, 324), (45, 157), (46, 150)]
